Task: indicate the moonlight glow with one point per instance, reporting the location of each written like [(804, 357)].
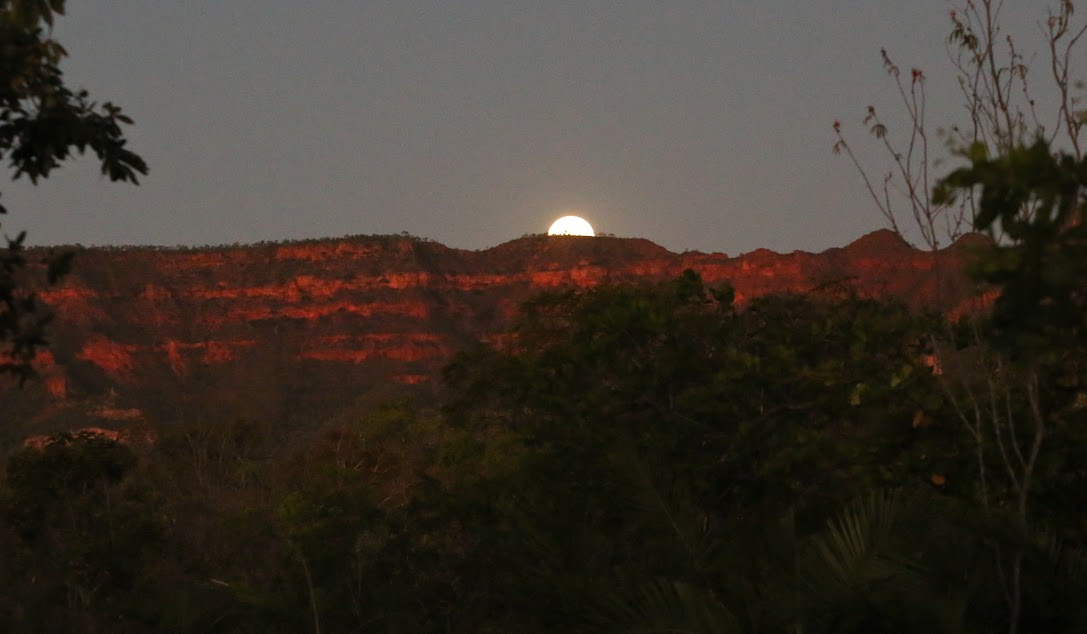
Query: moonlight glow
[(571, 226)]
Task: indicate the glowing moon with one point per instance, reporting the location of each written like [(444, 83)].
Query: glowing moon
[(571, 226)]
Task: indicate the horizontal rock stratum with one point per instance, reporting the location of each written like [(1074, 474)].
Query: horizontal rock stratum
[(299, 331)]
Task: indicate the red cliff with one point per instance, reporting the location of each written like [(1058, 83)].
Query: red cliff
[(299, 330)]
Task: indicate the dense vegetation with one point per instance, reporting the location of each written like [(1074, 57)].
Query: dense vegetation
[(642, 458)]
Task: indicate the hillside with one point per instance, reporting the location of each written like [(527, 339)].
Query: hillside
[(296, 331)]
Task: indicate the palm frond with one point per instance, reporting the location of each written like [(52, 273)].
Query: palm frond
[(861, 571), (855, 549), (663, 606), (665, 505)]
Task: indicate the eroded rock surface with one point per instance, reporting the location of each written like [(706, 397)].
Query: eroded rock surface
[(294, 332)]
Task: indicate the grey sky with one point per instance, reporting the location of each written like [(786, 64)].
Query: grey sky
[(698, 125)]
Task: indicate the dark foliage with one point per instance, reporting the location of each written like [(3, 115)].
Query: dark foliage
[(641, 458)]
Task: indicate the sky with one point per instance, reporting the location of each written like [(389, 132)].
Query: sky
[(699, 125)]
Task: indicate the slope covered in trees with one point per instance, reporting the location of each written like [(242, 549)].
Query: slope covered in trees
[(638, 457)]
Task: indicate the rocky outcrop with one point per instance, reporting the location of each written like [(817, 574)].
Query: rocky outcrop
[(295, 331)]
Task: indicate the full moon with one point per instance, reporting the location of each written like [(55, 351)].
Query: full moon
[(571, 226)]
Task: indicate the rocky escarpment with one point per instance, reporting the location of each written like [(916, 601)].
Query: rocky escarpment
[(302, 330)]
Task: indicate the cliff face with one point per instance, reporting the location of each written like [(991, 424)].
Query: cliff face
[(295, 331)]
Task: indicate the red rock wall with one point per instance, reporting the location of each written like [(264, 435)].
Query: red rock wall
[(317, 322)]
